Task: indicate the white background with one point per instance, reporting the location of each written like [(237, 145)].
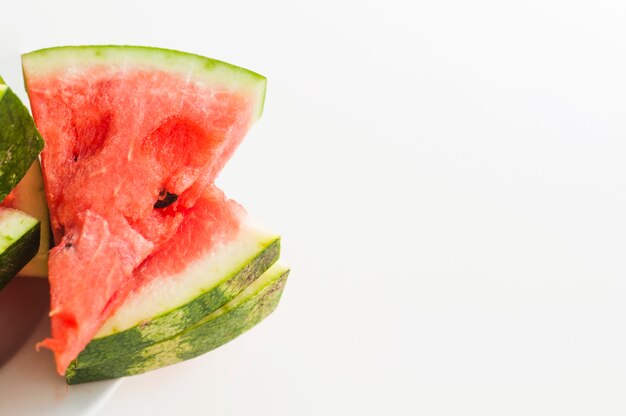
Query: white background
[(449, 181)]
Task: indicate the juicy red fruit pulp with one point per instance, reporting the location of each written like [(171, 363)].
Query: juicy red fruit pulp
[(117, 142)]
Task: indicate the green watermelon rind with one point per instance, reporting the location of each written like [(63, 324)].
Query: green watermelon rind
[(192, 67), (174, 321), (245, 311), (21, 246), (20, 142)]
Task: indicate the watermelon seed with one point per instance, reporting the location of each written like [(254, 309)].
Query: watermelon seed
[(165, 199), (68, 245)]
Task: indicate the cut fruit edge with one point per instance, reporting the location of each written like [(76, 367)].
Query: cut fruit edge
[(239, 315)]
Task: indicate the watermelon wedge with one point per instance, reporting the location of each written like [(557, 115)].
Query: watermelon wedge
[(134, 138), (242, 313), (172, 301), (20, 144)]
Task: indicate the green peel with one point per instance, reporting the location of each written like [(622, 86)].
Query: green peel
[(20, 142), (127, 332), (19, 242), (192, 67), (242, 313)]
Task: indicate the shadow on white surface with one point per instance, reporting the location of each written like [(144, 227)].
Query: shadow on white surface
[(29, 384)]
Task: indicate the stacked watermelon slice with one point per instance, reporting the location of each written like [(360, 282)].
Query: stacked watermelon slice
[(20, 143), (153, 264)]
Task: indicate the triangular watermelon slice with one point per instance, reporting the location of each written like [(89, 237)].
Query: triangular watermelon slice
[(172, 295), (134, 136)]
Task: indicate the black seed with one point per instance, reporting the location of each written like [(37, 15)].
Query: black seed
[(165, 199), (68, 245)]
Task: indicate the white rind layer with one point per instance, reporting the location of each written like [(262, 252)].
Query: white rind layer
[(190, 67), (31, 199), (13, 225)]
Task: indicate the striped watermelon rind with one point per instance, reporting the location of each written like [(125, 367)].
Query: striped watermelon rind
[(216, 291), (242, 313), (190, 66)]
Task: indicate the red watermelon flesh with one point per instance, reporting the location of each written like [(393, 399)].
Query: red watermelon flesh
[(99, 132), (124, 128), (8, 199), (213, 220)]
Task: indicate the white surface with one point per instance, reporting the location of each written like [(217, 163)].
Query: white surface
[(449, 181), (29, 384)]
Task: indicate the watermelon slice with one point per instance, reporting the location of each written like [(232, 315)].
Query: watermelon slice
[(242, 313), (134, 136), (20, 143), (173, 301)]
